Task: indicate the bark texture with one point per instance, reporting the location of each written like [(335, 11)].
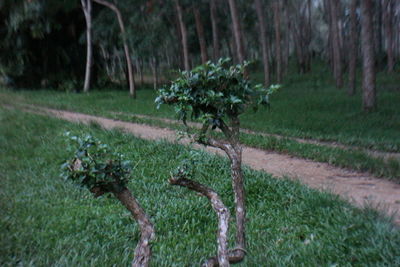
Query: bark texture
[(367, 38), (184, 38), (353, 48), (200, 34), (147, 232), (154, 66), (278, 53), (215, 30), (222, 212), (237, 31), (143, 248), (233, 150), (388, 22), (131, 80), (263, 39), (87, 10), (337, 59)]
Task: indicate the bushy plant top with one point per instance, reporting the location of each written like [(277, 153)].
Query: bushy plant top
[(94, 165), (213, 91)]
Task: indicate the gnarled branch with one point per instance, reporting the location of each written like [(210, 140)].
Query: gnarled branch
[(143, 248), (224, 257)]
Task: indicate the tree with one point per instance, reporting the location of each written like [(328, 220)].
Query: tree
[(131, 80), (353, 48), (95, 167), (367, 44), (278, 53), (215, 29), (301, 15), (237, 31), (263, 39), (335, 38), (388, 22), (87, 10), (217, 95), (200, 34), (184, 38)]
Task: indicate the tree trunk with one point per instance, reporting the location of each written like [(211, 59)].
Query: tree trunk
[(337, 59), (237, 31), (286, 49), (155, 72), (233, 150), (200, 34), (140, 70), (87, 10), (143, 248), (388, 21), (277, 25), (131, 80), (263, 40), (222, 260), (367, 38), (184, 38), (377, 13), (308, 37), (215, 30), (353, 48)]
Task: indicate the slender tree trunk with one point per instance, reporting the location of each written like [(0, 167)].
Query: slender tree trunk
[(263, 40), (184, 38), (200, 34), (309, 37), (155, 73), (388, 21), (139, 64), (337, 59), (367, 37), (215, 30), (377, 7), (131, 80), (222, 259), (353, 48), (143, 248), (286, 49), (277, 24), (233, 48), (87, 10), (237, 31)]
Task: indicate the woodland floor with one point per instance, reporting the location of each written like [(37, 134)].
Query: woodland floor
[(362, 189)]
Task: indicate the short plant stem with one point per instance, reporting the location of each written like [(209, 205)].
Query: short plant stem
[(223, 219), (143, 248)]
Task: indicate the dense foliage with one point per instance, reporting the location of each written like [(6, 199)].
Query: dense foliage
[(213, 91), (94, 165)]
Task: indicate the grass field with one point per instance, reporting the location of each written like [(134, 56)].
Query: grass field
[(46, 221), (307, 106)]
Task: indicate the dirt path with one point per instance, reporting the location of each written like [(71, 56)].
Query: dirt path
[(374, 153), (359, 188)]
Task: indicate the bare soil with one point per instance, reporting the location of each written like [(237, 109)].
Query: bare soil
[(362, 189), (374, 153)]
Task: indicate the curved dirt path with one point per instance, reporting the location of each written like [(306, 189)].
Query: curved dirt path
[(374, 153), (360, 188)]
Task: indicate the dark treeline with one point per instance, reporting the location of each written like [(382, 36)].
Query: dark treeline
[(44, 43)]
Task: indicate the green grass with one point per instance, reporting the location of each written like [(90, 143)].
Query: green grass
[(46, 221), (308, 106), (116, 104)]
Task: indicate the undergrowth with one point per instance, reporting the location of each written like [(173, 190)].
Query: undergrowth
[(47, 222)]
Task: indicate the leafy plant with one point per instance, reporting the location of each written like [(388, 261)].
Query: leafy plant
[(216, 95), (97, 168), (212, 92), (94, 166)]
